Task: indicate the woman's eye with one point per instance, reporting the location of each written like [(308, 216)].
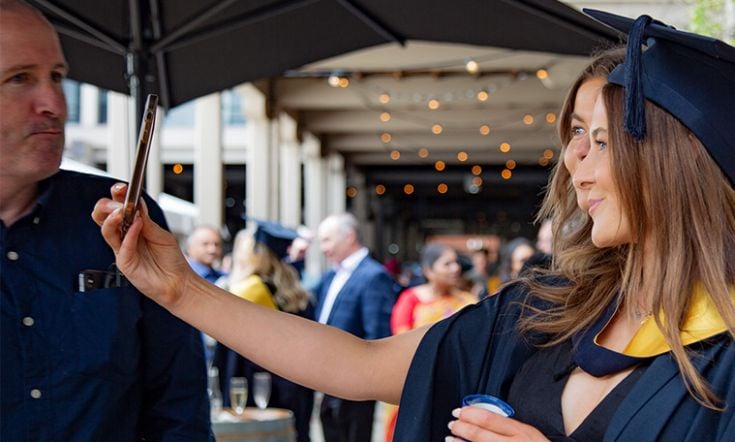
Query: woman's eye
[(577, 131), (602, 145)]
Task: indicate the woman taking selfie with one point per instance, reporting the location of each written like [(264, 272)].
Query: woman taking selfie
[(628, 337)]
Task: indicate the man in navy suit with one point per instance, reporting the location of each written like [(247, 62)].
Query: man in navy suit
[(357, 296)]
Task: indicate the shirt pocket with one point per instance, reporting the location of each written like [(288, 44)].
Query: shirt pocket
[(106, 331)]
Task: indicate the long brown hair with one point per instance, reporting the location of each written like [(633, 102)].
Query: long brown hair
[(681, 203), (592, 270), (253, 258), (560, 203)]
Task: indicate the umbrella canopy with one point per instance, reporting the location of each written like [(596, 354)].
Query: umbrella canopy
[(184, 49)]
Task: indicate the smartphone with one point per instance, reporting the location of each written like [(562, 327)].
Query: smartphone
[(135, 186)]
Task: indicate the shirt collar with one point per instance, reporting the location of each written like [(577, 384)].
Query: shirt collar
[(351, 262), (200, 269), (44, 197), (701, 321)]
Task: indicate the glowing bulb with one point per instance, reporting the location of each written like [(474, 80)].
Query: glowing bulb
[(385, 137), (394, 155), (178, 168), (462, 156), (477, 181), (482, 96), (476, 170), (485, 129), (423, 152), (380, 189), (385, 117), (528, 119), (472, 66), (510, 164), (542, 74), (505, 147), (344, 82), (384, 98), (442, 188), (506, 174), (551, 118), (433, 104), (351, 192), (548, 154), (437, 129), (408, 189), (439, 165), (333, 80)]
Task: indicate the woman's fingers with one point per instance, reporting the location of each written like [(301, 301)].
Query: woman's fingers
[(103, 209), (487, 419), (110, 227), (105, 206), (118, 191), (479, 425), (129, 255)]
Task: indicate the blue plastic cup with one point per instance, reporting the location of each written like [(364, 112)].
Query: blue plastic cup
[(490, 403)]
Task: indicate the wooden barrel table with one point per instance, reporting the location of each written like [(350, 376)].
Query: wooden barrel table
[(267, 425)]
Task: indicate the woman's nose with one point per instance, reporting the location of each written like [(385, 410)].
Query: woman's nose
[(584, 176)]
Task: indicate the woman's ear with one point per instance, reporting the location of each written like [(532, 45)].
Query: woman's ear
[(426, 270)]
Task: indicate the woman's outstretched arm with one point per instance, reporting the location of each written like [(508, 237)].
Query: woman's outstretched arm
[(320, 357)]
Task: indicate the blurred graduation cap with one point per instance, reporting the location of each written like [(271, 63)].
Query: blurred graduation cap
[(690, 76), (276, 237)]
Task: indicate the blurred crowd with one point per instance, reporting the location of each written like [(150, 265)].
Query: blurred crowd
[(265, 265)]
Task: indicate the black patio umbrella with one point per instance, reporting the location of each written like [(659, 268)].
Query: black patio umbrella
[(184, 49)]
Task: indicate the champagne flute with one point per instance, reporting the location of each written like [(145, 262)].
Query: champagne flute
[(238, 394), (262, 389)]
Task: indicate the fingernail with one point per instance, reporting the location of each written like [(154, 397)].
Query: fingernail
[(113, 205), (448, 439), (450, 424), (117, 187), (456, 412)]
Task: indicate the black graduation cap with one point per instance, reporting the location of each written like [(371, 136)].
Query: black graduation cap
[(689, 75), (276, 237)]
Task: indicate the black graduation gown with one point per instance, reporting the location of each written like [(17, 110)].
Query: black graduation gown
[(478, 350)]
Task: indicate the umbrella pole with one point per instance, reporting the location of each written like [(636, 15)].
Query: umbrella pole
[(135, 69)]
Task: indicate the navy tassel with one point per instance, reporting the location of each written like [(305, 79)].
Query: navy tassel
[(635, 116)]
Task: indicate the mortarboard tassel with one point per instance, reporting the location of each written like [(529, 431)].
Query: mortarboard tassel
[(635, 116)]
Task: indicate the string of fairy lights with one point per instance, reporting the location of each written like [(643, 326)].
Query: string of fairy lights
[(379, 100)]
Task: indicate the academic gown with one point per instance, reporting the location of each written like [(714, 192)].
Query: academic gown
[(479, 350)]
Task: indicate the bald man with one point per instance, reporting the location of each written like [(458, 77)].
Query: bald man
[(85, 357), (204, 251)]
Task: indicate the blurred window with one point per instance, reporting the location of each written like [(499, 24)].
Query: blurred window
[(72, 93)]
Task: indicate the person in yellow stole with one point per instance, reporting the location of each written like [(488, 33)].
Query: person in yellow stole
[(259, 274)]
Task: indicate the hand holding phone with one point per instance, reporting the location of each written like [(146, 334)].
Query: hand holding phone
[(135, 186)]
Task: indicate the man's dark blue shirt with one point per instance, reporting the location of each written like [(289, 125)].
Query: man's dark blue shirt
[(206, 272), (104, 365)]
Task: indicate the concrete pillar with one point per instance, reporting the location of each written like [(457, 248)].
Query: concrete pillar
[(315, 202), (89, 108), (119, 133), (208, 174), (290, 172), (360, 206), (258, 191), (154, 171), (336, 183)]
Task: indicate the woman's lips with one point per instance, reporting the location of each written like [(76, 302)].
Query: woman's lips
[(592, 204)]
